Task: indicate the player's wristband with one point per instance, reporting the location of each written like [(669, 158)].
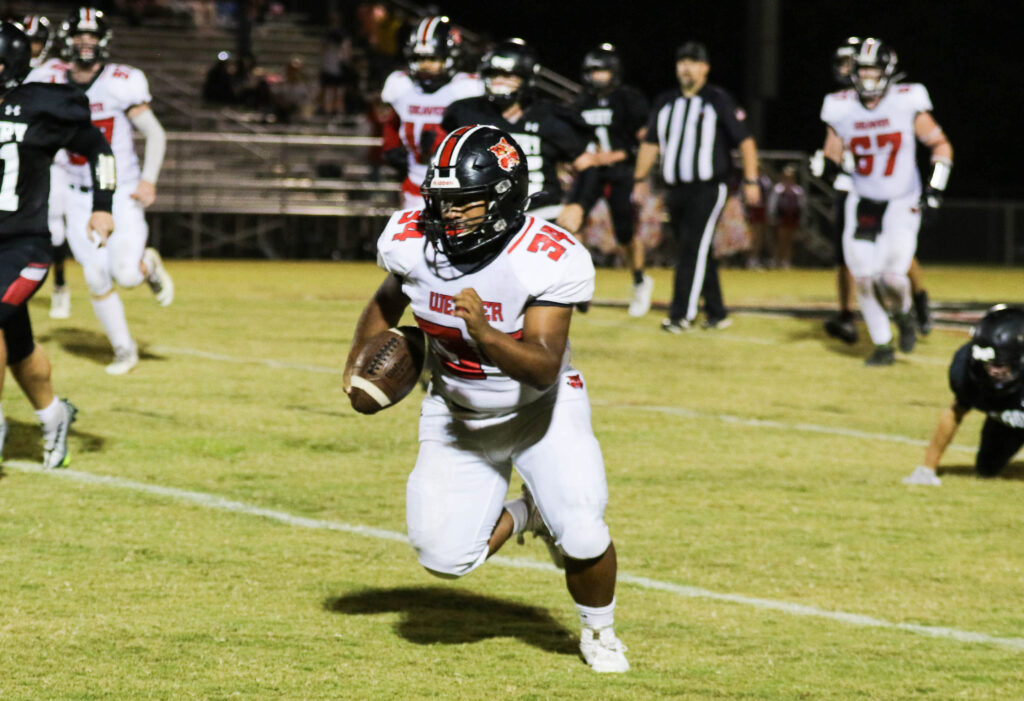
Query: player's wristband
[(750, 181), (831, 172), (102, 200), (940, 175)]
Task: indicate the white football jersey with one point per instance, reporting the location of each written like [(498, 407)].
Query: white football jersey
[(882, 139), (540, 263), (116, 89), (421, 112)]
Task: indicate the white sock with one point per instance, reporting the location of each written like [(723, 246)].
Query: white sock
[(51, 415), (875, 316), (110, 312), (517, 507), (597, 617)]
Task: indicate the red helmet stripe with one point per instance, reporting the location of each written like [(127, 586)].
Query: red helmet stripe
[(427, 26), (448, 147)]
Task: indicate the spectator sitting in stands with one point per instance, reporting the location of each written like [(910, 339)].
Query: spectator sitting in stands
[(223, 84), (293, 95)]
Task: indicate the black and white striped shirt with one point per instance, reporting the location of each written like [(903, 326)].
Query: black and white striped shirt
[(696, 134)]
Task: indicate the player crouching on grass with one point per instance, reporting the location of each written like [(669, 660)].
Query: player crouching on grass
[(987, 374), (494, 290), (36, 120)]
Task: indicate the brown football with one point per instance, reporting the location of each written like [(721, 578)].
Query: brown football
[(387, 369)]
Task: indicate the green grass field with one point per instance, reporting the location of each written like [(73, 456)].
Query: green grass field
[(230, 528)]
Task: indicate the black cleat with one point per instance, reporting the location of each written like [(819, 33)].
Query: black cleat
[(907, 326), (882, 355), (843, 328), (923, 312)]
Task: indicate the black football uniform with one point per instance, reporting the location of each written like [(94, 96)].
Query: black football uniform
[(615, 118), (36, 121), (1002, 435), (548, 134)]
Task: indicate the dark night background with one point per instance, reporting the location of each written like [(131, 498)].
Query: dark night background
[(967, 54)]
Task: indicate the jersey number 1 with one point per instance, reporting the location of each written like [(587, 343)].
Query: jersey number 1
[(9, 177)]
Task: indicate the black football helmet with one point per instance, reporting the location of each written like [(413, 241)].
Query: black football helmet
[(603, 58), (474, 163), (434, 38), (999, 340), (510, 57), (85, 20), (842, 61), (15, 55), (37, 29), (873, 53)]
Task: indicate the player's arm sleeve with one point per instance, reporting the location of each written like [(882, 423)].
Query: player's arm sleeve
[(922, 101), (400, 244), (390, 92), (959, 376), (156, 143), (87, 140), (571, 134)]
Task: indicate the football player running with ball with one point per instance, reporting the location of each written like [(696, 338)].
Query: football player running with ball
[(119, 98), (879, 123), (493, 288)]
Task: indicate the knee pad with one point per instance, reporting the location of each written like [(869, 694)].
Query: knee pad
[(127, 274), (584, 538), (18, 337), (98, 280)]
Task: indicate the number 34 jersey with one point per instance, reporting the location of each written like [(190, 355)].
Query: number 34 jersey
[(115, 90), (540, 264), (881, 140)]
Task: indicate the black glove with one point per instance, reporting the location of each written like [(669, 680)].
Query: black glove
[(931, 200), (397, 158), (427, 139)]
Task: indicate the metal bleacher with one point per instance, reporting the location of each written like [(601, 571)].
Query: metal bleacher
[(231, 183)]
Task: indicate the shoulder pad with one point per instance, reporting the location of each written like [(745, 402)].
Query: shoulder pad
[(551, 263), (400, 246), (56, 100), (396, 85)]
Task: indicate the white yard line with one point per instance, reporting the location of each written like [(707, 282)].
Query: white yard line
[(212, 501), (670, 410), (769, 423)]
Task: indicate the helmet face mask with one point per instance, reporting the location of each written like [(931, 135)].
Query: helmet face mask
[(475, 193), (85, 36), (431, 51), (997, 350), (512, 57), (602, 70), (874, 64)]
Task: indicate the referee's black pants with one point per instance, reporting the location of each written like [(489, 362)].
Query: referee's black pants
[(693, 211)]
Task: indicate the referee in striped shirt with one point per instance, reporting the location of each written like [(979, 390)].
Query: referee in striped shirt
[(695, 129)]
